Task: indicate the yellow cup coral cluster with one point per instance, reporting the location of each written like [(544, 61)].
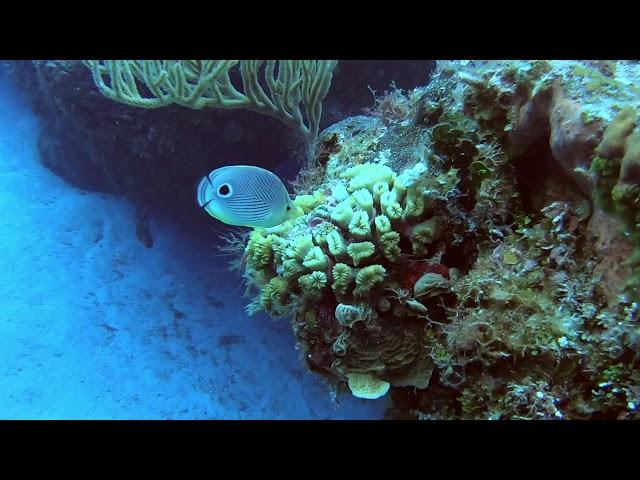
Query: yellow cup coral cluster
[(342, 249)]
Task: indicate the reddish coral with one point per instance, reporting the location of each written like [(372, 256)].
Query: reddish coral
[(417, 270), (393, 107)]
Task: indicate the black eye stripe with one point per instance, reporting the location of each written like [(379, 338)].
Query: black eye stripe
[(204, 205)]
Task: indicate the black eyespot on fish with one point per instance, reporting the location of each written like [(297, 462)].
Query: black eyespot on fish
[(224, 190), (288, 208)]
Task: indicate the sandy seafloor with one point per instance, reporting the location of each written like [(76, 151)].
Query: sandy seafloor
[(93, 325)]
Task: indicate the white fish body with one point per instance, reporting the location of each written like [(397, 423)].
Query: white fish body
[(245, 196)]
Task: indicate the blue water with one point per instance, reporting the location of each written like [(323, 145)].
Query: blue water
[(93, 325)]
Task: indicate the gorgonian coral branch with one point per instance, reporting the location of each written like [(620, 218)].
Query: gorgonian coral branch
[(294, 94)]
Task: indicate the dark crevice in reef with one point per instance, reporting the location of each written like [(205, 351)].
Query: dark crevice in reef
[(437, 306), (405, 245), (461, 256), (539, 176), (532, 170), (467, 198), (437, 398)]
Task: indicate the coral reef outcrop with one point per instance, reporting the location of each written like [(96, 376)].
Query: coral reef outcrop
[(471, 246)]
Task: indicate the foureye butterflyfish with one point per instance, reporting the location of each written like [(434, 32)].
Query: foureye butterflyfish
[(245, 196)]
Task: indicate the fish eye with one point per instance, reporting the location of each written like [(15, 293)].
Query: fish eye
[(288, 208), (225, 190)]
